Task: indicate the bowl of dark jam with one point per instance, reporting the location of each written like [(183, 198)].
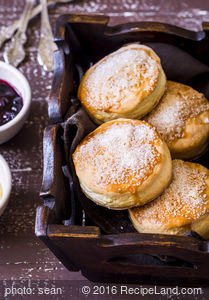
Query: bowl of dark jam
[(15, 101), (11, 102)]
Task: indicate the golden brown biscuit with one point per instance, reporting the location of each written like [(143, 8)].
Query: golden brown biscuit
[(182, 119), (128, 83), (123, 163), (183, 206)]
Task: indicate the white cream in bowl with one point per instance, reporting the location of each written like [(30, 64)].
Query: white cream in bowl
[(5, 184)]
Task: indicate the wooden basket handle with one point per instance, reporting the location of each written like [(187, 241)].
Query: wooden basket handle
[(55, 186)]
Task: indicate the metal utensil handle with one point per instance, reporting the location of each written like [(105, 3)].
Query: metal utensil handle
[(45, 26), (15, 53), (26, 15), (7, 32), (47, 45)]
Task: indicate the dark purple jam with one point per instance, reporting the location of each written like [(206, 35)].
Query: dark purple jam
[(10, 102)]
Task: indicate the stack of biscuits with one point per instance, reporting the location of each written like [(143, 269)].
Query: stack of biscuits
[(144, 122)]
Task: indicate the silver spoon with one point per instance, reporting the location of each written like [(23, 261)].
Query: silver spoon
[(46, 45), (6, 32), (14, 53)]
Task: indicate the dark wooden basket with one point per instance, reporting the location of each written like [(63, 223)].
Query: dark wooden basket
[(61, 222)]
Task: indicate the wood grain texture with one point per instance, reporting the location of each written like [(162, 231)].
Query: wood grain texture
[(22, 255)]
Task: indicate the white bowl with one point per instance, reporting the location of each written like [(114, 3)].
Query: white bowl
[(20, 83), (6, 184)]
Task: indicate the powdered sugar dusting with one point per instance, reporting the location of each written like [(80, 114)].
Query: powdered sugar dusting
[(184, 198), (130, 71), (179, 103), (124, 153)]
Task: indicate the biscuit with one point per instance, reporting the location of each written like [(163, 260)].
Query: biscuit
[(182, 119), (182, 207), (123, 163), (127, 83)]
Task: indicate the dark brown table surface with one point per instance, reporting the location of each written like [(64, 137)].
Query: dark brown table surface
[(22, 255)]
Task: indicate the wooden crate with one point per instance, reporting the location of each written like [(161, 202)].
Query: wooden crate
[(110, 252)]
